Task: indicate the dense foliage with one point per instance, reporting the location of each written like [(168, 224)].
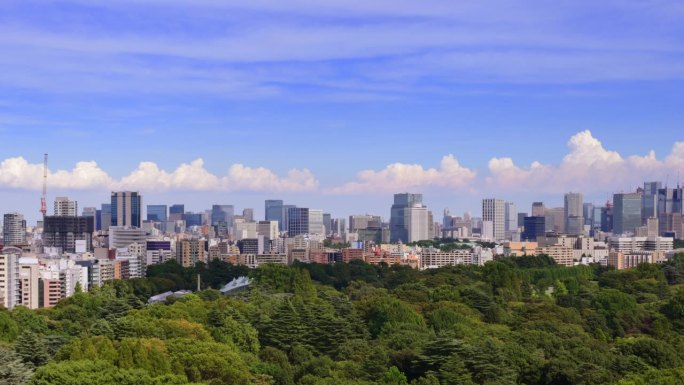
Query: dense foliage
[(513, 321)]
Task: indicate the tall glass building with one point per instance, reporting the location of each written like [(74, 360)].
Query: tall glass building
[(157, 213), (626, 212), (126, 208)]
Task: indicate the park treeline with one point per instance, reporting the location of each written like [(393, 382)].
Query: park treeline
[(513, 321)]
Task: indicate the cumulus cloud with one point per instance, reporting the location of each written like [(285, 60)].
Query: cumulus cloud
[(401, 176), (588, 165), (148, 176)]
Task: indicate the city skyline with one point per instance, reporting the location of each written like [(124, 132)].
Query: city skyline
[(589, 167)]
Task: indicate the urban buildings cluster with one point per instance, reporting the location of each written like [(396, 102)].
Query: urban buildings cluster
[(68, 250)]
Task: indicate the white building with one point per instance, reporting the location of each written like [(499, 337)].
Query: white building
[(494, 210), (65, 208), (124, 236)]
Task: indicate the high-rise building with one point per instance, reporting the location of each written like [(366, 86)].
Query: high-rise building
[(555, 219), (273, 211), (670, 211), (649, 202), (104, 219), (573, 213), (10, 283), (588, 214), (626, 212), (327, 222), (399, 218), (298, 221), (534, 227), (126, 208), (362, 222), (221, 214), (14, 229), (494, 211), (177, 212), (538, 209), (65, 208), (511, 217), (269, 229), (316, 225), (607, 218), (157, 213), (189, 252), (521, 219), (64, 232), (248, 214)]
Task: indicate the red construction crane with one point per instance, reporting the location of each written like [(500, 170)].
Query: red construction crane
[(43, 199)]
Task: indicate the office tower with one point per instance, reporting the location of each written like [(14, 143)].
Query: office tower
[(286, 212), (670, 211), (316, 225), (494, 211), (607, 218), (649, 203), (193, 219), (626, 212), (573, 213), (534, 227), (177, 212), (269, 229), (248, 214), (89, 212), (221, 214), (298, 221), (157, 213), (588, 214), (361, 222), (521, 219), (64, 232), (327, 222), (104, 219), (555, 220), (273, 211), (126, 208), (538, 209), (65, 208), (511, 217), (399, 218), (14, 229)]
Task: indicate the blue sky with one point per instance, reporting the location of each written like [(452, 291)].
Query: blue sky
[(331, 89)]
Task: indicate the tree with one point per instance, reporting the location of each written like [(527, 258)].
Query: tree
[(31, 349), (394, 377), (12, 370)]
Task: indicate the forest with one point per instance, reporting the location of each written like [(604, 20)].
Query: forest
[(513, 321)]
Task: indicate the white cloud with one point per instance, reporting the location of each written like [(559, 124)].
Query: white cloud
[(400, 176), (588, 166), (148, 176)]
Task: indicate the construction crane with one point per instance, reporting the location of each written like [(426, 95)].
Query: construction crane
[(43, 199)]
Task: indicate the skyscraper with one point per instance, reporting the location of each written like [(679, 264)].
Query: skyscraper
[(511, 217), (14, 229), (273, 211), (126, 208), (64, 231), (104, 220), (538, 209), (494, 211), (298, 221), (157, 213), (649, 203), (177, 212), (222, 214), (670, 211), (534, 227), (65, 208), (401, 215), (248, 214), (626, 212), (573, 213)]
